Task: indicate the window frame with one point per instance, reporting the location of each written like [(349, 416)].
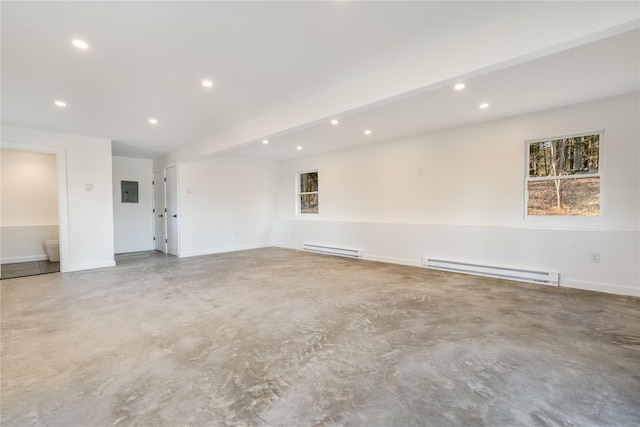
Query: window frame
[(599, 175), (299, 193)]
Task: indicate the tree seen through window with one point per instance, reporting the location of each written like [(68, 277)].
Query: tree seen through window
[(309, 193), (564, 176)]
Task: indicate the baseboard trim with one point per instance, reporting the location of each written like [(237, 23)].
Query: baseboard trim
[(287, 246), (18, 259), (391, 260), (600, 287), (88, 266), (376, 258), (189, 254), (132, 250)]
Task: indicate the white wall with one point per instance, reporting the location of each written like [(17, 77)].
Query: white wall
[(458, 194), (84, 190), (132, 222), (29, 208), (24, 243), (29, 188), (226, 203)]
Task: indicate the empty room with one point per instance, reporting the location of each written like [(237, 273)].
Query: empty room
[(320, 213)]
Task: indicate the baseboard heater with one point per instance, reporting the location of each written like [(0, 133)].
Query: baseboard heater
[(332, 250), (522, 275)]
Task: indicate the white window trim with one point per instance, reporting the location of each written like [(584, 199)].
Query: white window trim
[(299, 193), (559, 220)]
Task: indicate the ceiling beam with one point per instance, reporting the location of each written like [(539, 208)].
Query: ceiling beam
[(542, 29)]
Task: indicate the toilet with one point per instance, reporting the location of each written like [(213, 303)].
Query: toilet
[(52, 249)]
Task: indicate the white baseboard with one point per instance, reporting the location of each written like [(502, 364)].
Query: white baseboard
[(287, 246), (391, 260), (600, 287), (134, 249), (376, 258), (30, 258), (189, 254), (87, 266)]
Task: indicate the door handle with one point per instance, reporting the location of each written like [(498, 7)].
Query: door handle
[(160, 215), (175, 216)]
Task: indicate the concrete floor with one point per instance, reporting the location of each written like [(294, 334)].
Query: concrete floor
[(276, 337)]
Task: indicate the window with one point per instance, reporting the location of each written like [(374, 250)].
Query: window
[(564, 176), (308, 192)]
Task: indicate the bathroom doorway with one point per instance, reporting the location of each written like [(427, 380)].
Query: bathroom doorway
[(29, 218)]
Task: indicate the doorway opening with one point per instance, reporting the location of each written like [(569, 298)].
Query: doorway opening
[(33, 218), (29, 217)]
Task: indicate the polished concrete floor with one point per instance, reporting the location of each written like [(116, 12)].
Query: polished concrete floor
[(32, 268), (276, 337)]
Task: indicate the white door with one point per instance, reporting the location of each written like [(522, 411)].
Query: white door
[(171, 186), (158, 211)]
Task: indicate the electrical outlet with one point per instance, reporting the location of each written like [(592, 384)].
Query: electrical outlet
[(594, 257)]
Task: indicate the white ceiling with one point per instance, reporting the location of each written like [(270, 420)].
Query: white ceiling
[(602, 69), (146, 59)]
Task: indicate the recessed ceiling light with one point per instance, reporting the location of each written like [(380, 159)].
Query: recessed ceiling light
[(265, 141), (60, 103), (153, 121), (459, 86), (334, 122), (207, 83), (367, 132), (484, 105), (80, 44), (298, 147)]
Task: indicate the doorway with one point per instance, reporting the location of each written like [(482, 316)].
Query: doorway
[(30, 217)]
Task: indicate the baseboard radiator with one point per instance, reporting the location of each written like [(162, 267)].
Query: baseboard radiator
[(522, 275), (332, 250)]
